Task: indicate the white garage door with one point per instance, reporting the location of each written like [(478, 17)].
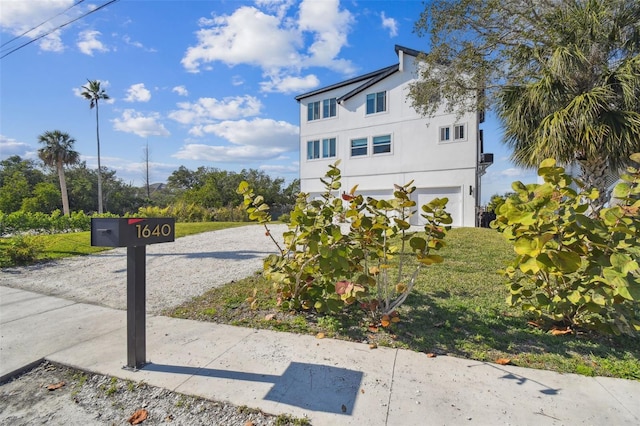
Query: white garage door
[(454, 206)]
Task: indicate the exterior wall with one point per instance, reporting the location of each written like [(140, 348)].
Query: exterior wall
[(437, 168)]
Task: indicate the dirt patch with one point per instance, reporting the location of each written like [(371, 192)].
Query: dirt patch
[(54, 394)]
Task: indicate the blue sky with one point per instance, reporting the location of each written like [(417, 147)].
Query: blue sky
[(204, 83)]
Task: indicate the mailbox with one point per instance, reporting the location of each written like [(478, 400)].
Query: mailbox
[(131, 232)]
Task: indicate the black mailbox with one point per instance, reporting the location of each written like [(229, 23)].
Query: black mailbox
[(132, 232)]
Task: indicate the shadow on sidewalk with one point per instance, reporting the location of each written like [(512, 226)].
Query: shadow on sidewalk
[(309, 386)]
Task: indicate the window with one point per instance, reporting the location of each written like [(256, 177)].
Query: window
[(359, 147), (313, 111), (376, 102), (382, 144), (459, 131), (445, 134), (328, 148), (329, 108), (313, 150)]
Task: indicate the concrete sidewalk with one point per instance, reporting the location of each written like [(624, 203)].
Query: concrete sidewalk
[(331, 382)]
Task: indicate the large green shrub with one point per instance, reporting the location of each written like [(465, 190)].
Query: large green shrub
[(320, 267), (571, 268), (24, 249)]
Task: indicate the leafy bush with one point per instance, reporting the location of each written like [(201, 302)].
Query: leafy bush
[(230, 214), (284, 218), (24, 249), (321, 268), (571, 268)]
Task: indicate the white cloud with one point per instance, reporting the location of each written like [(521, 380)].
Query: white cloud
[(290, 84), (137, 44), (138, 93), (52, 43), (139, 124), (280, 169), (239, 38), (180, 90), (18, 17), (205, 110), (390, 24), (255, 140), (10, 146), (330, 26), (88, 42)]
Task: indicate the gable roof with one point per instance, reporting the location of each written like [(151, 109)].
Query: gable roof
[(368, 79)]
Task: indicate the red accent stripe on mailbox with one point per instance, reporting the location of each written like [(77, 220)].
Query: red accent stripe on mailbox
[(132, 221)]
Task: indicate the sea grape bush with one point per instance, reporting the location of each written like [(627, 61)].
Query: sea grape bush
[(570, 267), (323, 266)]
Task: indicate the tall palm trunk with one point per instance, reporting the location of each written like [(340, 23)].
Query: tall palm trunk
[(63, 189), (99, 166), (595, 175)]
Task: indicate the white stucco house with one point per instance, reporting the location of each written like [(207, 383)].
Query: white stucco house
[(368, 123)]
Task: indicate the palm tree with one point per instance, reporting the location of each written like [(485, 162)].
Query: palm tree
[(58, 152), (93, 92), (584, 107)]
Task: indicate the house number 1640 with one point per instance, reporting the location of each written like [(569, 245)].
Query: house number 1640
[(158, 230)]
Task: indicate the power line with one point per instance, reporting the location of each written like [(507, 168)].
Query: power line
[(58, 27), (42, 23)]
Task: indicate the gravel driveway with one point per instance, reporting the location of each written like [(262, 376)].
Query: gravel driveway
[(175, 272)]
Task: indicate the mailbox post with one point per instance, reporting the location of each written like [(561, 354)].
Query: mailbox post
[(134, 234)]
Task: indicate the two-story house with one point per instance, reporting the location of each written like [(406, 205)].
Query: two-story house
[(369, 124)]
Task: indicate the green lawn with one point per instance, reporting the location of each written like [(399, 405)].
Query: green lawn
[(457, 308), (56, 246)]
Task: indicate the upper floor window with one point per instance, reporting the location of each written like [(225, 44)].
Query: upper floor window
[(329, 108), (313, 150), (359, 147), (313, 111), (376, 102), (328, 150), (382, 144), (457, 132), (445, 134), (326, 107)]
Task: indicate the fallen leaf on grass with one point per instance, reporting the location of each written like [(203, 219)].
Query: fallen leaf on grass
[(269, 317), (533, 324), (320, 336), (55, 386), (373, 328), (503, 361), (431, 355), (560, 331), (249, 423), (138, 417), (373, 345)]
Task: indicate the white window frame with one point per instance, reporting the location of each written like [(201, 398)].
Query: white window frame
[(453, 133), (376, 103), (330, 105), (314, 110), (365, 146), (390, 144), (326, 148), (313, 149)]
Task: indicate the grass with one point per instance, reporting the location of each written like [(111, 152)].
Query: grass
[(457, 308), (56, 246)]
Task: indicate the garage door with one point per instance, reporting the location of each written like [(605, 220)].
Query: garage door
[(454, 206)]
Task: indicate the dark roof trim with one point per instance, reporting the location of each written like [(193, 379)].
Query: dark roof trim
[(370, 78), (407, 50), (344, 83), (381, 76)]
